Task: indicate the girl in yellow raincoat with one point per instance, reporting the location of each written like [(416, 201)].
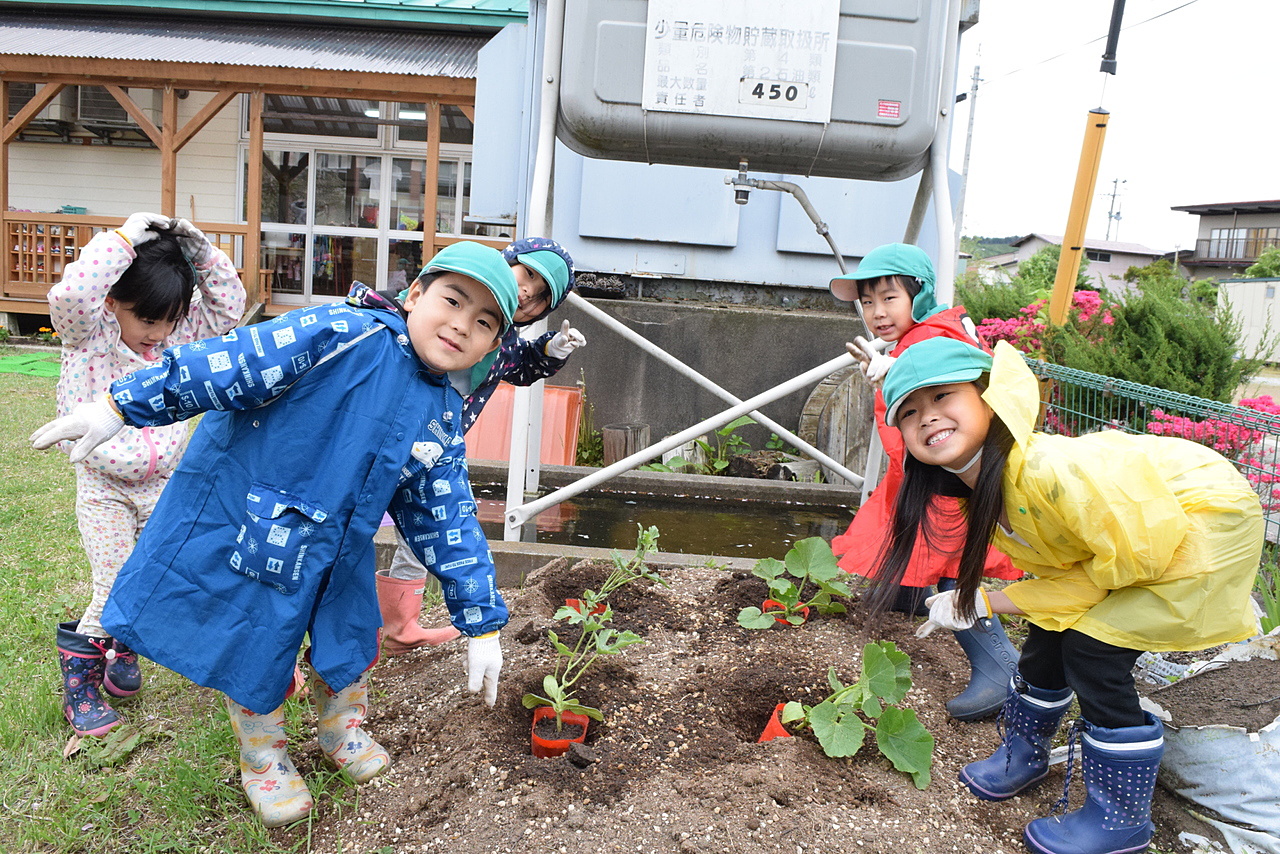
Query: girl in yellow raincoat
[(1136, 543)]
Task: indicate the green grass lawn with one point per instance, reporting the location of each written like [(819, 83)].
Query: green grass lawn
[(169, 780)]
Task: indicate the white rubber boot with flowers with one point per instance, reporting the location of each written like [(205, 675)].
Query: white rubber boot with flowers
[(275, 789), (340, 715)]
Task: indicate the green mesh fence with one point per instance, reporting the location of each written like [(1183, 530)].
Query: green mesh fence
[(1080, 402)]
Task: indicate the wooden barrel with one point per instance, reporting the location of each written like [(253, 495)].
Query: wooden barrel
[(838, 419)]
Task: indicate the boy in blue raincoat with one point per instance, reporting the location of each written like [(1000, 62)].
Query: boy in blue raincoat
[(318, 422)]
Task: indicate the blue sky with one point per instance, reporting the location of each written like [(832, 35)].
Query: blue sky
[(1192, 117)]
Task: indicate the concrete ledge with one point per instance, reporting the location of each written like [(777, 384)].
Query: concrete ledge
[(516, 560), (681, 485)]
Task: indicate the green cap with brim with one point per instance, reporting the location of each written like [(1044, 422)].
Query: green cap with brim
[(893, 259), (551, 268), (934, 361), (484, 264)]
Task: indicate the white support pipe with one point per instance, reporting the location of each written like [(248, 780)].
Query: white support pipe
[(516, 517), (684, 370), (942, 213), (526, 432)]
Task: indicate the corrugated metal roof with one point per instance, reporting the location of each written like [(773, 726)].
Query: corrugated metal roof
[(269, 44), (487, 14)]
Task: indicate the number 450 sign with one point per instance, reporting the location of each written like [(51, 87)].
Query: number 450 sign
[(750, 58)]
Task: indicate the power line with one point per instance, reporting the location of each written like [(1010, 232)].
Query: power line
[(1102, 37)]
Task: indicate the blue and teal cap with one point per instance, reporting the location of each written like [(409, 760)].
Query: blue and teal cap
[(549, 260), (484, 264), (893, 259), (933, 361)]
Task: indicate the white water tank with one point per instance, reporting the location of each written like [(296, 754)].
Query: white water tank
[(837, 88)]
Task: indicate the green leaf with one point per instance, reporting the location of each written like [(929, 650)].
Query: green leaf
[(769, 568), (792, 711), (752, 618), (871, 706), (532, 701), (812, 558), (839, 732), (886, 671), (906, 743), (833, 680), (784, 591)]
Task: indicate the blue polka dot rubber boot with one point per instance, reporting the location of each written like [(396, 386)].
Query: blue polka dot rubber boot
[(1119, 779), (123, 677), (275, 789), (1030, 717), (83, 662), (340, 714)]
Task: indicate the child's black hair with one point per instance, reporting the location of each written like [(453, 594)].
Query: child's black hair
[(159, 282), (921, 485), (910, 284)]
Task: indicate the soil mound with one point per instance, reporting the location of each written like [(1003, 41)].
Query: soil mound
[(675, 766)]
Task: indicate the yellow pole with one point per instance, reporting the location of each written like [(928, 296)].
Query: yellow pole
[(1064, 283)]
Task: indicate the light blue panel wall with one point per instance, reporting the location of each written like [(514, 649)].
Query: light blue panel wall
[(501, 104), (776, 243), (860, 215), (665, 204)]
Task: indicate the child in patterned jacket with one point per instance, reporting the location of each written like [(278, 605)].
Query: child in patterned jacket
[(544, 274), (317, 422), (152, 283)]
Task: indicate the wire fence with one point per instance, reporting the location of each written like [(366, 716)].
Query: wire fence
[(1078, 402)]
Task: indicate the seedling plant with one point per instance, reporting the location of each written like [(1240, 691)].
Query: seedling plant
[(809, 566), (838, 723), (727, 444), (595, 639)]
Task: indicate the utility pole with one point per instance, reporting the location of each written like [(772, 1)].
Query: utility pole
[(968, 145), (1113, 215)]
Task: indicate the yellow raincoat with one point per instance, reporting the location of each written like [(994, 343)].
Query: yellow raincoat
[(1143, 542)]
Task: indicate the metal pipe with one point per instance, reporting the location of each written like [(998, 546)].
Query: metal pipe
[(684, 370), (944, 286), (525, 464), (516, 517)]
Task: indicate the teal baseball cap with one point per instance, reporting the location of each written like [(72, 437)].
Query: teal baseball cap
[(893, 259), (484, 264), (934, 361)]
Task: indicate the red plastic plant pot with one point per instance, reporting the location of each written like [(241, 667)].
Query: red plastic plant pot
[(576, 604), (774, 728), (774, 605), (549, 747)]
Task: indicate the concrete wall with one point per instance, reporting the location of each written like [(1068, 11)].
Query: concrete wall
[(745, 350)]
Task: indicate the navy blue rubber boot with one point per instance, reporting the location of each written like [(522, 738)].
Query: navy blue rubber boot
[(992, 662), (123, 677), (1120, 779), (1031, 716), (83, 660)]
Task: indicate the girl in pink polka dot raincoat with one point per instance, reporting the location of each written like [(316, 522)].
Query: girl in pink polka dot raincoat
[(153, 283)]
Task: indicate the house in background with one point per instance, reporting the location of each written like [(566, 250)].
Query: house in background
[(1231, 236), (319, 143), (1108, 260)]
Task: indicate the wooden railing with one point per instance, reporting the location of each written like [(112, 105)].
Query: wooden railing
[(39, 246)]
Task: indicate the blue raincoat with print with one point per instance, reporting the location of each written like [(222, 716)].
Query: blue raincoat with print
[(318, 422)]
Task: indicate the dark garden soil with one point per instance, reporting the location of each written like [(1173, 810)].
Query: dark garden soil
[(675, 766), (1239, 693)]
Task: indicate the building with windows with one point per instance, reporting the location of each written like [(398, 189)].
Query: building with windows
[(1231, 236), (320, 142), (1108, 259)]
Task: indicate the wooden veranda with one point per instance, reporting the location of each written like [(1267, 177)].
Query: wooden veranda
[(39, 244)]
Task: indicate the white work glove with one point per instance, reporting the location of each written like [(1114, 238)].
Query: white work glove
[(484, 663), (873, 364), (91, 423), (564, 342), (944, 612), (195, 246), (141, 227)]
